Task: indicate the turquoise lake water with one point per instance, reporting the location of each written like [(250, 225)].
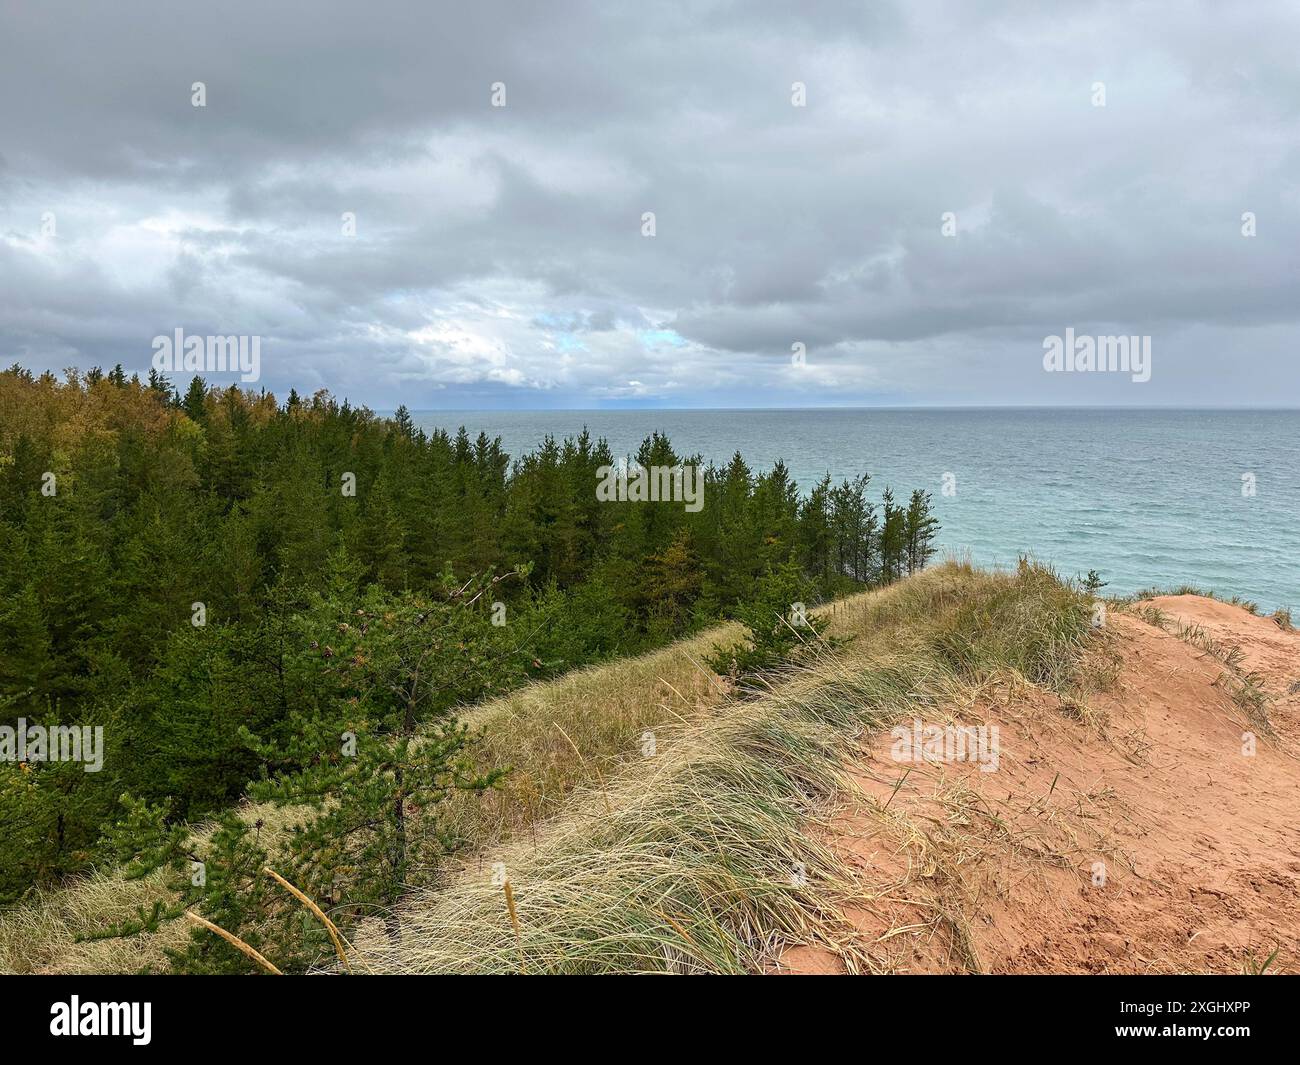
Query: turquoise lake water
[(1146, 497)]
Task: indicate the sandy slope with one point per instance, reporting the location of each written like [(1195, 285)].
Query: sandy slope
[(999, 871)]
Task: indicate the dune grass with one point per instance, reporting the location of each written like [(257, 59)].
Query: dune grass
[(704, 858), (1281, 616), (697, 859), (1247, 605), (561, 734)]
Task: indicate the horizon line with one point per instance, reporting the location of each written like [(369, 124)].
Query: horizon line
[(876, 407)]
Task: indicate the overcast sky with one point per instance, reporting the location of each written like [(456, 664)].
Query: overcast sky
[(499, 258)]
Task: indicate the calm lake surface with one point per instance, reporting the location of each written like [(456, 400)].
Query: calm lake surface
[(1146, 497)]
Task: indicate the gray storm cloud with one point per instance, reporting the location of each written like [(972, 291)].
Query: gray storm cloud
[(498, 256)]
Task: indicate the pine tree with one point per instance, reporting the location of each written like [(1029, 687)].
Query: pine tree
[(671, 586), (159, 385), (919, 527), (194, 403), (378, 743), (223, 880), (403, 423), (893, 538), (815, 534)]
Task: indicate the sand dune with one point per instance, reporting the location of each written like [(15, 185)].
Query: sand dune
[(1138, 836)]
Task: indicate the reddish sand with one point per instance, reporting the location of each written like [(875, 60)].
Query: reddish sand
[(994, 872)]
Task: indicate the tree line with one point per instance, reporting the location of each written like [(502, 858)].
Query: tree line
[(226, 582)]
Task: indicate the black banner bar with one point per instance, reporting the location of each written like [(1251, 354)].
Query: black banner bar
[(146, 1014)]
